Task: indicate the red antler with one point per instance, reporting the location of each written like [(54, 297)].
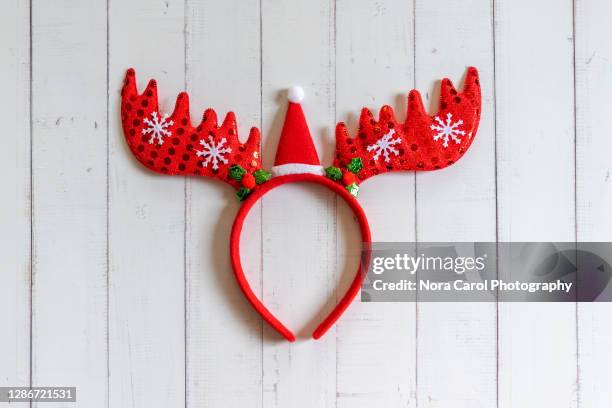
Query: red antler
[(169, 144), (423, 142)]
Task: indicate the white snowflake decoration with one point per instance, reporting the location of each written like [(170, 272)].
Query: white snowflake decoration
[(384, 146), (448, 129), (213, 152), (157, 127)]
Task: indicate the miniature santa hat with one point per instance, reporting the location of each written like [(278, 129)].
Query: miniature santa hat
[(296, 153)]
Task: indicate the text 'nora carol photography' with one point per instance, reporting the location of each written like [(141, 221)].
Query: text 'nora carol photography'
[(462, 285)]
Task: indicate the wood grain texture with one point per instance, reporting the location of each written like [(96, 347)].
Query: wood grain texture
[(457, 360), (376, 349), (146, 219), (535, 165), (224, 343), (593, 188), (298, 223), (69, 268), (15, 216)]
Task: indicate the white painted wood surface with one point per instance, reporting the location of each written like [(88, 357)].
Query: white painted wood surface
[(15, 215), (131, 297), (593, 189), (534, 73), (69, 342)]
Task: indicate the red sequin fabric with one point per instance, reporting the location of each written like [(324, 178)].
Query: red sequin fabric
[(422, 142), (170, 144)]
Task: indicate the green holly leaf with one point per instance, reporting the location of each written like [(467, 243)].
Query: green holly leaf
[(237, 172), (261, 176), (333, 173), (243, 193), (355, 165), (353, 189)]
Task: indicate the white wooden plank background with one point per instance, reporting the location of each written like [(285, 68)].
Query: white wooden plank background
[(593, 189), (117, 280), (536, 190), (15, 207), (69, 194)]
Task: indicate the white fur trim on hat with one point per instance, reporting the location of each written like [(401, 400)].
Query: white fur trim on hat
[(297, 168)]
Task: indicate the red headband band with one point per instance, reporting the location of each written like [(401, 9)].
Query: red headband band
[(169, 144)]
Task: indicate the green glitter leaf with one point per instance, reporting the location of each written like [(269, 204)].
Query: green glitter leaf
[(242, 193), (261, 176), (237, 172), (355, 165), (333, 173), (353, 189)]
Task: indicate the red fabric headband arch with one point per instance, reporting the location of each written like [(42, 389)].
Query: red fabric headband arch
[(352, 291), (170, 144)]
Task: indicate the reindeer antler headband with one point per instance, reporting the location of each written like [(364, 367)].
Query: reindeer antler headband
[(169, 144)]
